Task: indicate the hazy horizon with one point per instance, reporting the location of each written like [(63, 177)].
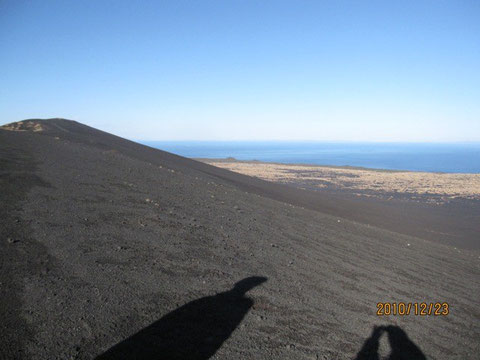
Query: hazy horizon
[(146, 140), (452, 142)]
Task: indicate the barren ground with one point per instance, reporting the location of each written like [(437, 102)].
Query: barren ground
[(113, 250)]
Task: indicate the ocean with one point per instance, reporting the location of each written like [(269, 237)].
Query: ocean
[(431, 157)]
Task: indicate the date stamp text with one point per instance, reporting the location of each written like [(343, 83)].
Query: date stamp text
[(415, 308)]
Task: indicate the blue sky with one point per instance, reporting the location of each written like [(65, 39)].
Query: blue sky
[(246, 70)]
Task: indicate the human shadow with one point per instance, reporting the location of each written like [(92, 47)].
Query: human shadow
[(193, 331), (402, 348)]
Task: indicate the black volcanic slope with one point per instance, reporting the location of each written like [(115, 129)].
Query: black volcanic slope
[(114, 250)]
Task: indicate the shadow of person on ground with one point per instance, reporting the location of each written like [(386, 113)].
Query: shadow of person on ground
[(402, 348), (194, 331)]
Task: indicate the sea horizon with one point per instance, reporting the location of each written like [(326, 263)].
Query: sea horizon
[(447, 157)]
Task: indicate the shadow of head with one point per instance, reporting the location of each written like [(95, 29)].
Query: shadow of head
[(402, 348), (245, 285)]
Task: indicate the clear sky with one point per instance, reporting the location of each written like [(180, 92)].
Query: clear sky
[(246, 70)]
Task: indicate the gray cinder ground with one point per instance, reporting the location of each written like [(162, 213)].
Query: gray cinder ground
[(108, 245)]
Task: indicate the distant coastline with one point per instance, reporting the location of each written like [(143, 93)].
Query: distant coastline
[(413, 185), (345, 167), (463, 158)]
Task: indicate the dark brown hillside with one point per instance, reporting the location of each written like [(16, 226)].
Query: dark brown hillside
[(457, 224)]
